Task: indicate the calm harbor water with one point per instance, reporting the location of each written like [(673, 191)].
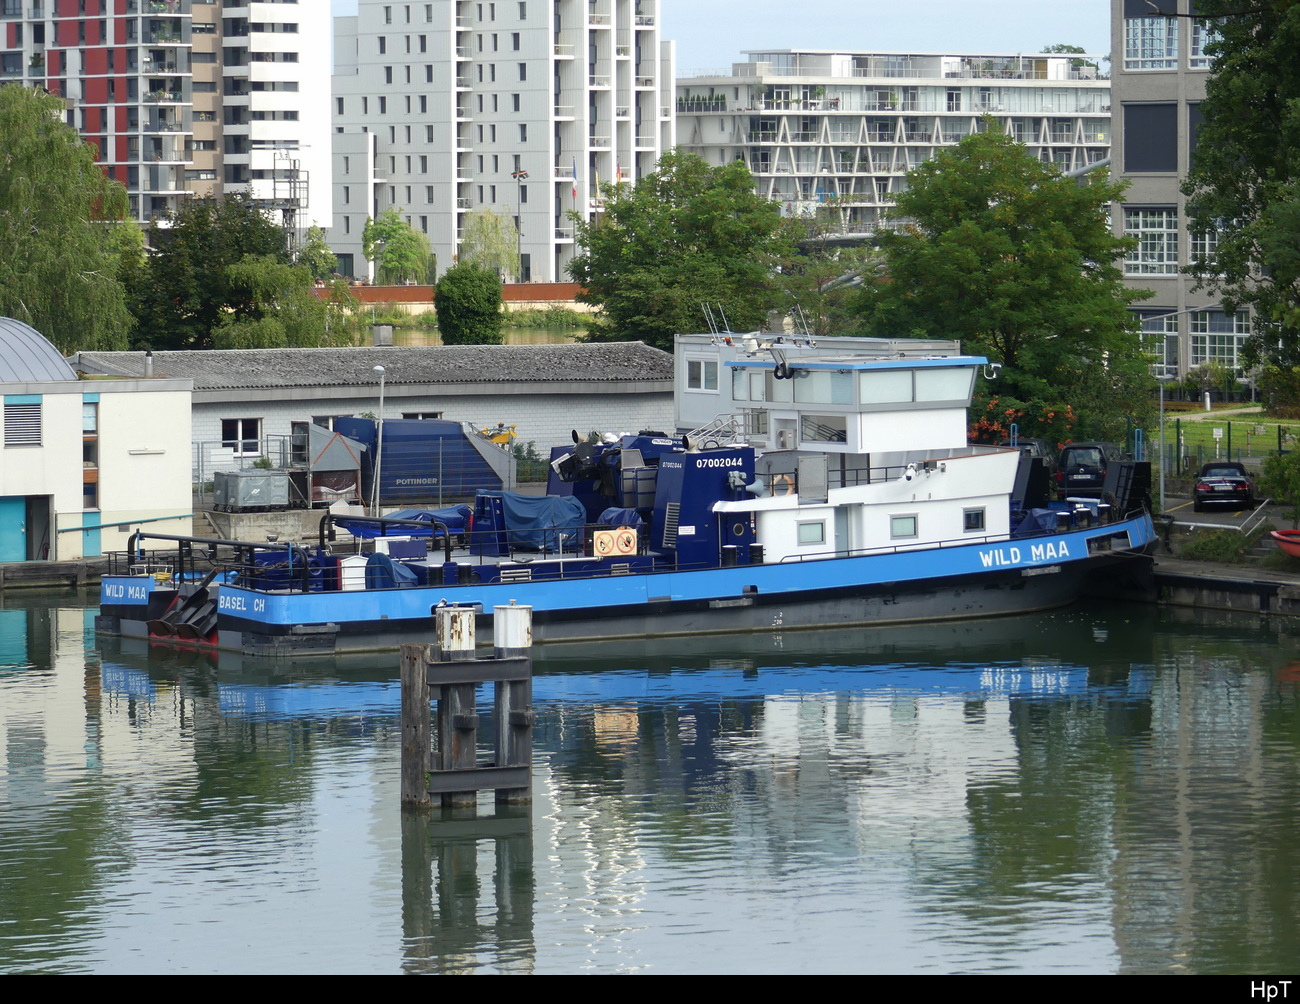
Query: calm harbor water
[(1102, 789)]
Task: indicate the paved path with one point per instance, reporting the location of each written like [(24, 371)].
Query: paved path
[(1209, 416)]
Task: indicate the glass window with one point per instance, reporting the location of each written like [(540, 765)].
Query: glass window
[(973, 520), (702, 374), (885, 386), (242, 435), (1218, 337), (1156, 231), (1203, 34), (902, 527), (812, 533), (947, 384), (1150, 43), (823, 429)]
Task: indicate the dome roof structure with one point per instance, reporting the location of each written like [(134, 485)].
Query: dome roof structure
[(27, 356)]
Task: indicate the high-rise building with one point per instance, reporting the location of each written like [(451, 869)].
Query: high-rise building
[(187, 96), (1158, 83), (827, 130), (522, 107)]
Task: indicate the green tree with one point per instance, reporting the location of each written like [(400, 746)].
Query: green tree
[(1244, 184), (491, 240), (820, 278), (188, 289), (316, 255), (1002, 252), (278, 306), (399, 251), (64, 238), (685, 236), (468, 302), (1280, 480)]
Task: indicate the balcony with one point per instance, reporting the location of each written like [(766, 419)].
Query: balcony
[(563, 51)]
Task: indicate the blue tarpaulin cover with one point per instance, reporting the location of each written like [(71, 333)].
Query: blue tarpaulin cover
[(382, 572), (1036, 521), (456, 518), (615, 516), (544, 522)]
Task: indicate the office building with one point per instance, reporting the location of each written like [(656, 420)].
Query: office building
[(1158, 83)]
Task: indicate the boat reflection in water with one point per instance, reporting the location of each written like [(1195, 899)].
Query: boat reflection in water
[(1061, 792)]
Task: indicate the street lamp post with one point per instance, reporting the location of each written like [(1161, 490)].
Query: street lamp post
[(379, 445), (520, 177)]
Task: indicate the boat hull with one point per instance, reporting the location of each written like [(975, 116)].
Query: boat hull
[(959, 582)]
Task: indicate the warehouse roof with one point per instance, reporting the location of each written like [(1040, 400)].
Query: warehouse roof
[(213, 369)]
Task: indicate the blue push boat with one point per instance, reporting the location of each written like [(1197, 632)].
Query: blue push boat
[(876, 512)]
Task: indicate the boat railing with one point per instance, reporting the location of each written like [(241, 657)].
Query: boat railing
[(930, 545), (192, 558)]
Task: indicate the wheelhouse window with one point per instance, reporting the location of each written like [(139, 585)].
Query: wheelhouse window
[(243, 435), (973, 520)]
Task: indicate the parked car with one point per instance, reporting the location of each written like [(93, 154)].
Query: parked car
[(1081, 468), (1034, 448), (1224, 483)]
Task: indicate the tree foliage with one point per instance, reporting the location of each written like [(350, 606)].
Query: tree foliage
[(188, 289), (685, 236), (316, 255), (820, 279), (64, 238), (278, 307), (400, 252), (1280, 480), (1002, 252), (468, 302), (1244, 183), (491, 240)]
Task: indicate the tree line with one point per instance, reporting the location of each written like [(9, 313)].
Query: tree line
[(219, 272)]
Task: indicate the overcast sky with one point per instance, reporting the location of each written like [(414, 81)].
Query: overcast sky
[(713, 33)]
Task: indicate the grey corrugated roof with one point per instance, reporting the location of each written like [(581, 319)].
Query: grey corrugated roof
[(215, 369), (27, 356)]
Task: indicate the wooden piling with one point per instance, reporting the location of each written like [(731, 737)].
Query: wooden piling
[(449, 675)]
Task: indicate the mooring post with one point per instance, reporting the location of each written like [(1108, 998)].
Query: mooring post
[(457, 702), (512, 638), (417, 753)]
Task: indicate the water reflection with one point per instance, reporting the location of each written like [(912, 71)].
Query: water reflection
[(1097, 790)]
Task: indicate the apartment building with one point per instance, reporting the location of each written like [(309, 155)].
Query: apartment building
[(187, 96), (522, 107), (1158, 83), (832, 131)]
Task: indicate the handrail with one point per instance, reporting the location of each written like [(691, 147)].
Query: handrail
[(383, 521), (185, 545), (123, 522)]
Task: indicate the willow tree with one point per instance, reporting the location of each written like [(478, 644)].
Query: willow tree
[(492, 241), (400, 252), (63, 231)]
